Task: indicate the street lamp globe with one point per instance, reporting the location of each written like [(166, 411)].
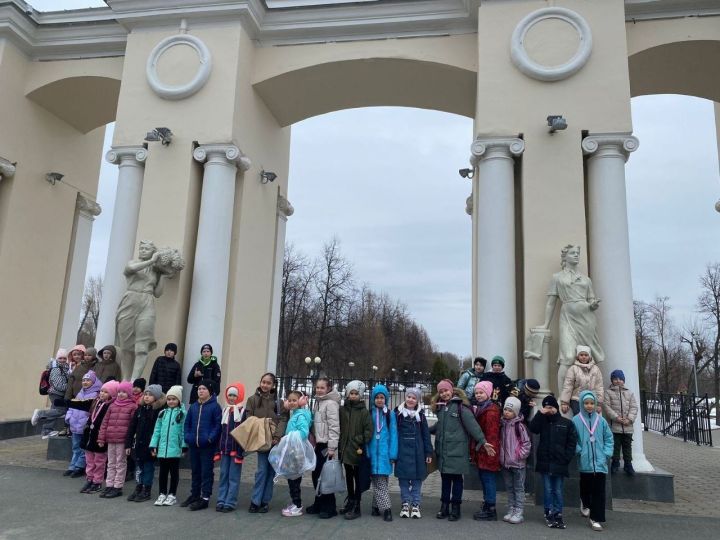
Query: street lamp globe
[(308, 360), (317, 360)]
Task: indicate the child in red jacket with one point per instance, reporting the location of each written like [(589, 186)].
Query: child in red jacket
[(487, 413), (113, 432)]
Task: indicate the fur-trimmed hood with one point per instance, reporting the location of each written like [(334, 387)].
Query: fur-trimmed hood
[(458, 395)]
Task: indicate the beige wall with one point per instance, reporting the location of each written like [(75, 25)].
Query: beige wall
[(36, 225)]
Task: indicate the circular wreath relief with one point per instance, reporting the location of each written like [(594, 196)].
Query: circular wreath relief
[(535, 70), (181, 91)]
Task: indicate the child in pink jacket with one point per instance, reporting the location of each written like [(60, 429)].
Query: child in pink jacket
[(113, 432), (514, 450)]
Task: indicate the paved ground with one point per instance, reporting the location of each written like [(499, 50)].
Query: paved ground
[(31, 488)]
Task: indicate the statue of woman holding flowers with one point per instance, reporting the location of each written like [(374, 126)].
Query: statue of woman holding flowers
[(135, 319)]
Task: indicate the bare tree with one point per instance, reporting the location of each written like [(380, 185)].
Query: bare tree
[(709, 308), (662, 336), (90, 311), (643, 339)]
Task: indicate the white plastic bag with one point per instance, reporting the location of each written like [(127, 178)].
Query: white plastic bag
[(332, 479), (292, 457)]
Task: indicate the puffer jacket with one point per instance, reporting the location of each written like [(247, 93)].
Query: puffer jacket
[(97, 409), (210, 371), (300, 421), (77, 418), (516, 444), (110, 370), (59, 373), (557, 444), (167, 372), (581, 377), (488, 418), (455, 426), (75, 378), (355, 430), (262, 405), (202, 423), (383, 445), (594, 451), (620, 401), (117, 421), (414, 446), (326, 419), (142, 428), (468, 380), (169, 433)]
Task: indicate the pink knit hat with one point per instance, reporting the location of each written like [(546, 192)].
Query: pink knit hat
[(445, 384), (111, 387), (125, 386), (485, 386)]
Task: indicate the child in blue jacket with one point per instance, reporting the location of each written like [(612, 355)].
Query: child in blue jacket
[(595, 447), (202, 430), (414, 452), (300, 421), (382, 450)]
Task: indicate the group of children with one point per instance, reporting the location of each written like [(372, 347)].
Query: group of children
[(109, 424)]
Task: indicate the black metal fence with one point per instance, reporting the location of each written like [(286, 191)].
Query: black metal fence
[(684, 416), (396, 388)]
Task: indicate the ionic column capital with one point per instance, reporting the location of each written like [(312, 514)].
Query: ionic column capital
[(7, 169), (469, 205), (493, 148), (284, 208), (224, 154), (127, 155), (610, 145), (87, 207)]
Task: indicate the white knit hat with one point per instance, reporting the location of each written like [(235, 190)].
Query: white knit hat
[(583, 348), (175, 391), (359, 386)]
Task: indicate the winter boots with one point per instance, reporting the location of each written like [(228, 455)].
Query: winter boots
[(487, 513), (454, 512), (443, 513), (614, 466)]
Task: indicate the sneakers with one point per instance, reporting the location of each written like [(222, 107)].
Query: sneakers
[(549, 518), (595, 526), (292, 511), (511, 511), (170, 500), (64, 432), (200, 504), (160, 500), (584, 510), (516, 517), (35, 417), (415, 512), (51, 434), (629, 469), (558, 522), (405, 510)]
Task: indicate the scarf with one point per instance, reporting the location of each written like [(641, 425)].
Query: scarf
[(409, 413), (206, 361), (481, 406), (237, 414)]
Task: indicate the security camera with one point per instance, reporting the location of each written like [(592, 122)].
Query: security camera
[(556, 122), (466, 173)]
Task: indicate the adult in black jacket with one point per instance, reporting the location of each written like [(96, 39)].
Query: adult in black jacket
[(167, 371), (206, 368), (555, 450), (138, 440)]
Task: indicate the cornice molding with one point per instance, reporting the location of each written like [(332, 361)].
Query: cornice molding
[(101, 32), (87, 207)]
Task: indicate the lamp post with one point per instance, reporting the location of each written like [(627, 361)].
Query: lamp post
[(351, 365)]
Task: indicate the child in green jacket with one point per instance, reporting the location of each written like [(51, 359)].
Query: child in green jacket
[(168, 445)]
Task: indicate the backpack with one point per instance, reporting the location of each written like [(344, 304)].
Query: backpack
[(44, 387)]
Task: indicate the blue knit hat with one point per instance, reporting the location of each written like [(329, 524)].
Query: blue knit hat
[(617, 374)]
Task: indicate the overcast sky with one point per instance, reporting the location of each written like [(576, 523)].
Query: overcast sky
[(384, 180)]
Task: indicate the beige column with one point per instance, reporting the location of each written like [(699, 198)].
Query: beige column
[(284, 211), (126, 212), (86, 210), (609, 248)]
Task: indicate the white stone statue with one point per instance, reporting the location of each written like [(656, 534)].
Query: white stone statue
[(135, 320), (578, 325)]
